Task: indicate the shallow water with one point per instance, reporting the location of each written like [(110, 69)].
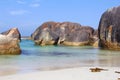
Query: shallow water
[(34, 58)]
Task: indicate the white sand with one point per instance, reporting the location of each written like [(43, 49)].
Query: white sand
[(82, 73)]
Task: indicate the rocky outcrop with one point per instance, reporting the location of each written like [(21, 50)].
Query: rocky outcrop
[(9, 42), (66, 33), (14, 33), (109, 29)]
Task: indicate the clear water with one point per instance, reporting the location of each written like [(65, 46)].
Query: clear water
[(34, 58)]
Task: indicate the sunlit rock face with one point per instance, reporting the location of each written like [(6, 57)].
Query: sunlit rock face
[(13, 32), (109, 29), (66, 33), (9, 42)]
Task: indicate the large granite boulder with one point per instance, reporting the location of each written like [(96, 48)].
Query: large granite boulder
[(66, 33), (9, 42), (109, 29)]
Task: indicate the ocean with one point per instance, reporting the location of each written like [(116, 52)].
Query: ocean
[(40, 58)]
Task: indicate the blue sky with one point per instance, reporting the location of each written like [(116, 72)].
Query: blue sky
[(27, 15)]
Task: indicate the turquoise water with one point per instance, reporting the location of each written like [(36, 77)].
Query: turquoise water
[(34, 58)]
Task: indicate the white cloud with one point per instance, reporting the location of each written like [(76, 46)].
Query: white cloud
[(35, 5), (18, 12), (20, 2)]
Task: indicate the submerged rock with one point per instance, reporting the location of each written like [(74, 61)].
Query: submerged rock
[(66, 33), (9, 42), (109, 29)]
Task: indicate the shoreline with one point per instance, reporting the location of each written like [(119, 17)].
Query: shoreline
[(83, 73)]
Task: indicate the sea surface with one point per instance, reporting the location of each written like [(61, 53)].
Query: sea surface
[(39, 58)]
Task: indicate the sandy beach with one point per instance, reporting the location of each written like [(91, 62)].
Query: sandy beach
[(82, 73)]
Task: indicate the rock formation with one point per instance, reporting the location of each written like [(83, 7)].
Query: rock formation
[(9, 42), (109, 29), (14, 33), (66, 33)]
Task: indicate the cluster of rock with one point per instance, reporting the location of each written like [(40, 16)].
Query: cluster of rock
[(109, 29), (9, 42), (66, 33)]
